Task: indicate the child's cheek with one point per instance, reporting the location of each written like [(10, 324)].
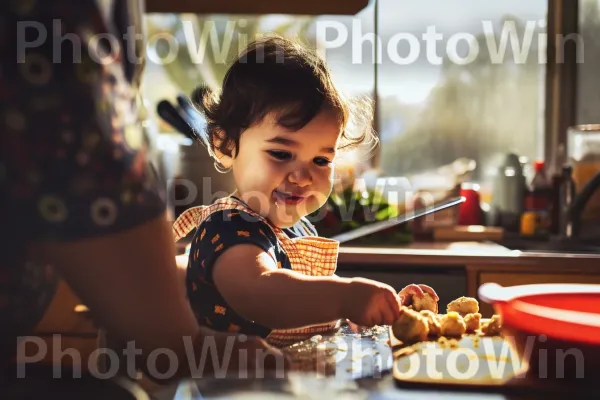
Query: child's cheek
[(271, 170)]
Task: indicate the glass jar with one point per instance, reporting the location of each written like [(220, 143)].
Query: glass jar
[(583, 151)]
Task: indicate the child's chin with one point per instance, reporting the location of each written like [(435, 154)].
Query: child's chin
[(288, 222), (285, 224)]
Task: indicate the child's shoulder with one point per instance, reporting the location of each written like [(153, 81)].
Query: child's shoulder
[(237, 223), (233, 215)]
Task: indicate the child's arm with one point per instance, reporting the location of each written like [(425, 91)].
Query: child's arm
[(251, 283)]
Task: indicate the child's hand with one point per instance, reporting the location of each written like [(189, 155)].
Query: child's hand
[(409, 291), (370, 303)]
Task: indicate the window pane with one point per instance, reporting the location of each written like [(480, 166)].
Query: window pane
[(460, 78), (588, 95), (176, 62)]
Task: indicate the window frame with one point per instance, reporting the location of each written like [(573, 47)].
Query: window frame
[(560, 81), (561, 78)]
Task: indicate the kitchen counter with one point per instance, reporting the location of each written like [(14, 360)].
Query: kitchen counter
[(455, 254), (457, 269), (360, 369), (461, 254)]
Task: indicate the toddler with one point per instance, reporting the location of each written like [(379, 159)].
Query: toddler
[(256, 265)]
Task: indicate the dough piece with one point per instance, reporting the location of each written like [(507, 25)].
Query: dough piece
[(452, 324), (493, 327), (463, 306), (424, 303), (411, 326), (433, 322), (472, 322)]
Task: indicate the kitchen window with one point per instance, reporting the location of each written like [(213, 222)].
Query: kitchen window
[(588, 93), (186, 50), (456, 79), (460, 79)]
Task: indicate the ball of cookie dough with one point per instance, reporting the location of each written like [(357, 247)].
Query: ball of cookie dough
[(463, 306), (410, 326), (424, 303), (493, 327), (472, 322), (452, 324), (433, 322)]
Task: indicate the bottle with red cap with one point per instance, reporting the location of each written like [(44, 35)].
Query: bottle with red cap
[(539, 200)]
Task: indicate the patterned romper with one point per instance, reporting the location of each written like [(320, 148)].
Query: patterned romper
[(228, 222)]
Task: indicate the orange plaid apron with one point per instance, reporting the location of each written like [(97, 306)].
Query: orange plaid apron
[(309, 255)]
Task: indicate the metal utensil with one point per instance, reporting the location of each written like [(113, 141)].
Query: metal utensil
[(408, 216), (176, 119), (188, 109)]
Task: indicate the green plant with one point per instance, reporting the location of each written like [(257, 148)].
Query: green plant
[(350, 209)]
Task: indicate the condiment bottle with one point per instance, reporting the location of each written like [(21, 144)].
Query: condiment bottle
[(538, 200)]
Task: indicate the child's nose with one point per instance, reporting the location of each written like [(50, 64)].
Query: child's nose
[(300, 177)]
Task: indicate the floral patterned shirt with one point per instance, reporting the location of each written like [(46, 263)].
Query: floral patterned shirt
[(72, 155)]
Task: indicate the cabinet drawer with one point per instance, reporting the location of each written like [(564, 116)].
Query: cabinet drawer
[(514, 279)]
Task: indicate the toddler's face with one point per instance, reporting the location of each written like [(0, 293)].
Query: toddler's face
[(285, 175)]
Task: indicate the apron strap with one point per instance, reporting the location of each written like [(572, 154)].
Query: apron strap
[(186, 222), (306, 228)]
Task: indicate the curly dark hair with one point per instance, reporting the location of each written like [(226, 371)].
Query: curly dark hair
[(280, 76)]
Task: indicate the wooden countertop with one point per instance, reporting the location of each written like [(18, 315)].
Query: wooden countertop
[(459, 254)]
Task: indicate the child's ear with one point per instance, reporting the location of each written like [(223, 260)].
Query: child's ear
[(225, 161)]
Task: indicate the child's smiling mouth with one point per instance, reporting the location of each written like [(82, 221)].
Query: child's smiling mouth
[(288, 198)]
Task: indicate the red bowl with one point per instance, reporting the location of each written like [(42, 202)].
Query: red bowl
[(555, 328)]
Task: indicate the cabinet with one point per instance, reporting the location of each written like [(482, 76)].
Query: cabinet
[(448, 283), (513, 276)]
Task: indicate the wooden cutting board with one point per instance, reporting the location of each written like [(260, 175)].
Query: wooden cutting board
[(472, 360)]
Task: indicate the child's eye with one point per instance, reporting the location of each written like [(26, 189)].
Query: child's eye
[(280, 155), (321, 161)]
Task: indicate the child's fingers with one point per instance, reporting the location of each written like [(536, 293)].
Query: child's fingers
[(429, 289), (412, 290), (418, 291), (404, 300), (374, 318), (395, 303), (355, 328), (389, 309), (371, 315), (381, 318)]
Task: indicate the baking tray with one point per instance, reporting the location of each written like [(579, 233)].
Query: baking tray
[(485, 364), (472, 361)]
